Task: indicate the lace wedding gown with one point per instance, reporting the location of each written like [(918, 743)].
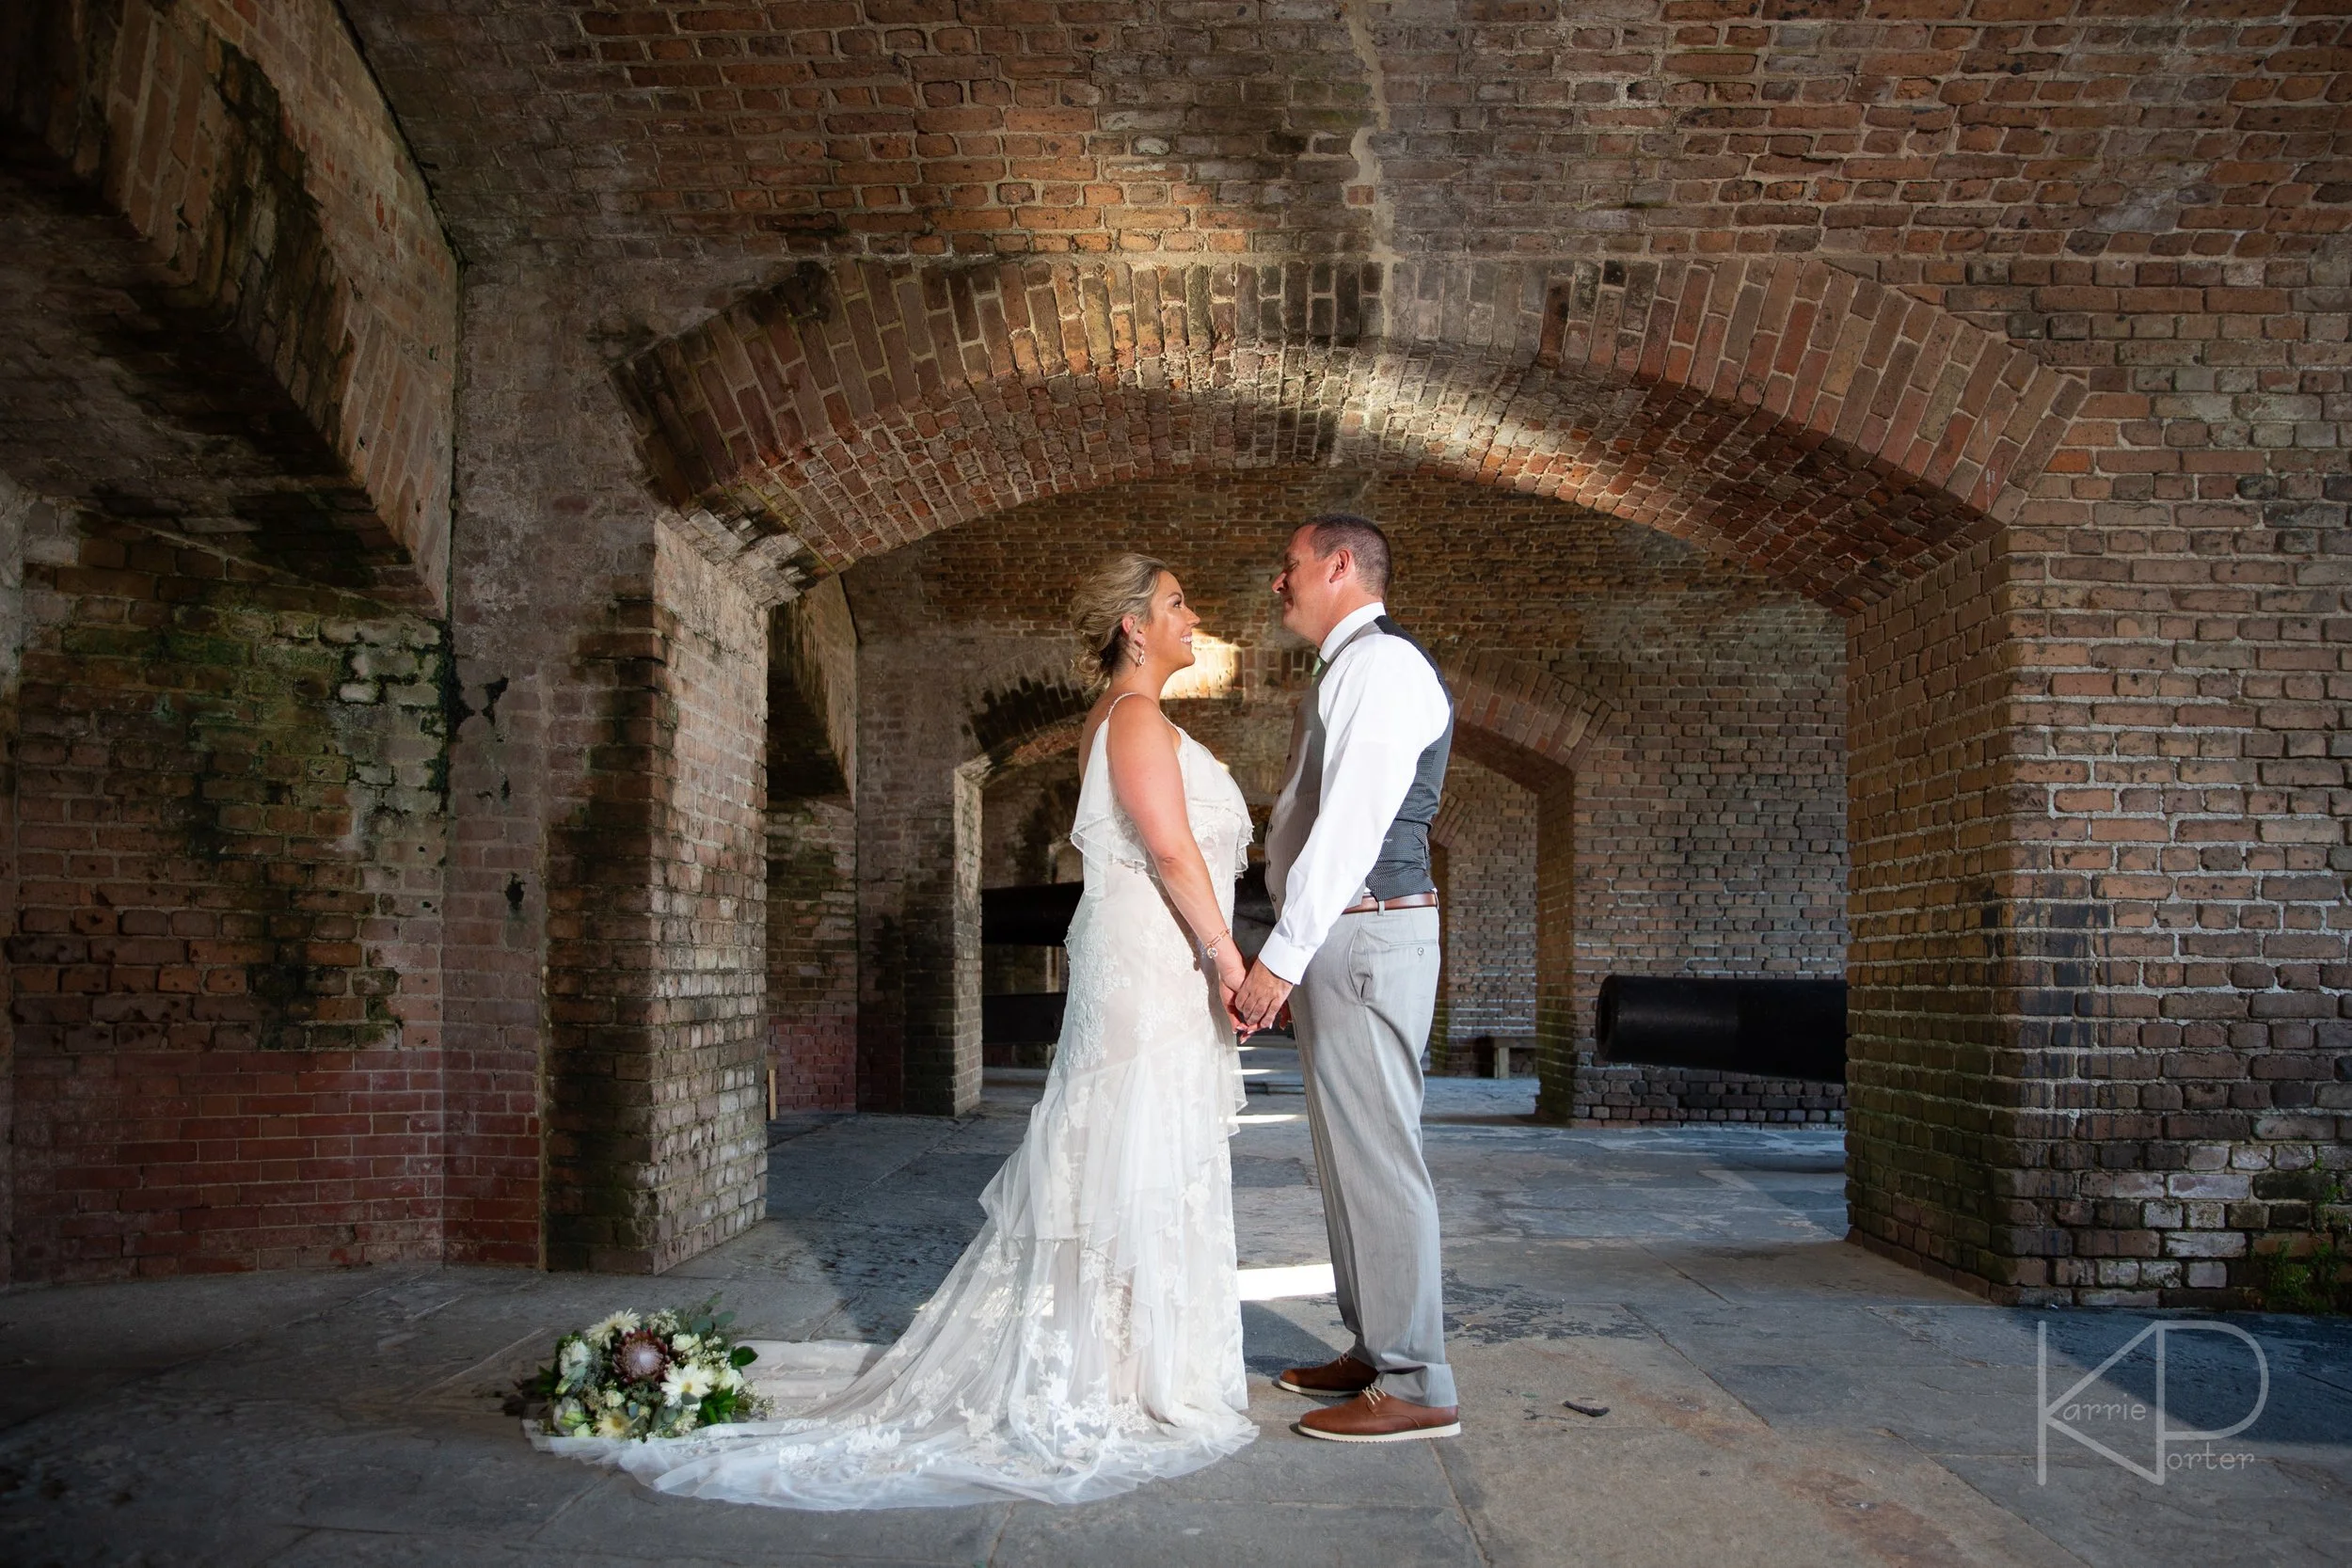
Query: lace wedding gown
[(1089, 1339)]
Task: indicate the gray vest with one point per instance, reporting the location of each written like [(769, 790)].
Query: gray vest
[(1403, 863)]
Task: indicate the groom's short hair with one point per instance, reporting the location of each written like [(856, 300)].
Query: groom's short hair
[(1361, 538)]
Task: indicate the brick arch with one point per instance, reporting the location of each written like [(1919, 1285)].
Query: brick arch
[(1518, 719), (248, 301), (1025, 719), (1522, 720), (1837, 435)]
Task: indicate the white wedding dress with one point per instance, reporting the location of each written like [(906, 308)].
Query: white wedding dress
[(1089, 1339)]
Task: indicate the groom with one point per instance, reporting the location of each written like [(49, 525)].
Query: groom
[(1347, 861)]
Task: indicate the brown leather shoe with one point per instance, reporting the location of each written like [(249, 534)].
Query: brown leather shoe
[(1373, 1417), (1333, 1380)]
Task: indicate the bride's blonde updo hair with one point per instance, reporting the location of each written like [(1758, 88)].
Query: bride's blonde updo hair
[(1118, 588)]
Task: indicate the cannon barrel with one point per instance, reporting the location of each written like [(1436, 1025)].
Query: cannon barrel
[(1039, 915), (1021, 1018), (1768, 1028)]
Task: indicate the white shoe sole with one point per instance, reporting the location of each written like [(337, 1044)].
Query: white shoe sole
[(1452, 1428), (1288, 1387)]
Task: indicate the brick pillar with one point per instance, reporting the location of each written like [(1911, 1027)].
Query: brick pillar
[(606, 1078), (550, 528), (1936, 1093), (657, 960), (1555, 948), (944, 1065), (918, 965), (918, 861)]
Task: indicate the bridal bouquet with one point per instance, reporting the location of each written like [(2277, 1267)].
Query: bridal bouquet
[(660, 1375)]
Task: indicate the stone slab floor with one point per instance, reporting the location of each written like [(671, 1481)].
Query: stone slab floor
[(1775, 1396)]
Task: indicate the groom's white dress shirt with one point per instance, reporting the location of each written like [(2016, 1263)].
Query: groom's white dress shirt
[(1381, 708)]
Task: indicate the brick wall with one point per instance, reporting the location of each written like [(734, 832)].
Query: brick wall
[(229, 384), (2176, 780), (922, 773), (230, 826), (1024, 832), (812, 852), (812, 695), (913, 734), (549, 538), (812, 954)]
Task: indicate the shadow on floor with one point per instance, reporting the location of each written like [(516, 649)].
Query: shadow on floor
[(1774, 1395)]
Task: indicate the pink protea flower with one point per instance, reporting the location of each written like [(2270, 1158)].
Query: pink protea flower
[(641, 1357)]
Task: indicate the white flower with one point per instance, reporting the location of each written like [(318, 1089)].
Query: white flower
[(573, 1360), (618, 1324), (612, 1399), (685, 1384), (611, 1424), (685, 1344), (730, 1378)]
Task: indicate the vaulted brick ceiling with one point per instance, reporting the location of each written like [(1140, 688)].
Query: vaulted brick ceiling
[(2047, 180), (1506, 127), (1836, 435)]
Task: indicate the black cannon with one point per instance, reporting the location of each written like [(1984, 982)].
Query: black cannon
[(1039, 915), (1767, 1028), (1021, 1018)]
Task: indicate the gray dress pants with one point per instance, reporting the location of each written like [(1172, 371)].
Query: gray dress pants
[(1362, 1012)]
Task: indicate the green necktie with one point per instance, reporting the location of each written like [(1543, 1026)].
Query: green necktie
[(1321, 665)]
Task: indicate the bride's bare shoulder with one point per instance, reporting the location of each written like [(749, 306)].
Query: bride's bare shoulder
[(1128, 717)]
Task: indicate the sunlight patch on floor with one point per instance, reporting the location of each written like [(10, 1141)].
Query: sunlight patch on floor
[(1287, 1284)]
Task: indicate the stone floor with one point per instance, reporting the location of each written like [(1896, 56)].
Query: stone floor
[(1773, 1395)]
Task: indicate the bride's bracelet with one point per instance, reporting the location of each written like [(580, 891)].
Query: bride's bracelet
[(1209, 949)]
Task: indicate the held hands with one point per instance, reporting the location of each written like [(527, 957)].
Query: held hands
[(1229, 980), (1257, 1002)]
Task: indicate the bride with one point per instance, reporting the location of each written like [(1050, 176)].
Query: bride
[(1090, 1338)]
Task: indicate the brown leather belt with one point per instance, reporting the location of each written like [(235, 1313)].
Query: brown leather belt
[(1381, 905)]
